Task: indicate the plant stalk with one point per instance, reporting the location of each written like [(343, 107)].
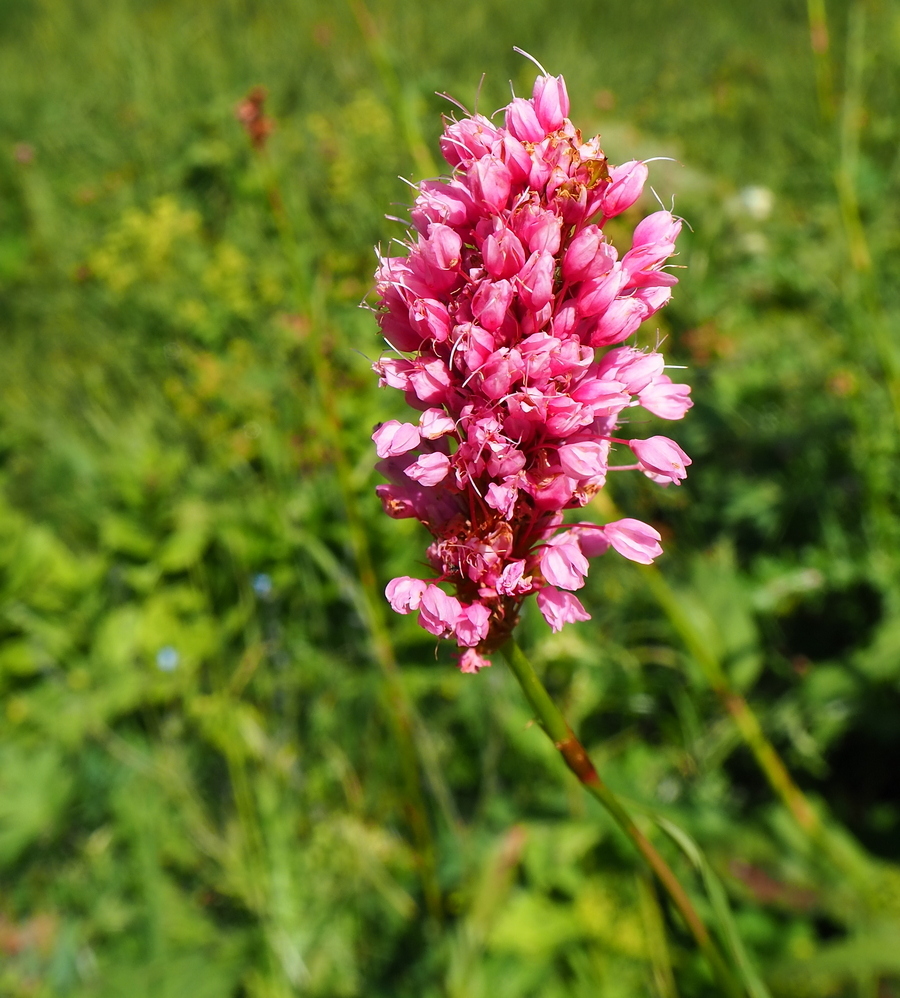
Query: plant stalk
[(576, 758)]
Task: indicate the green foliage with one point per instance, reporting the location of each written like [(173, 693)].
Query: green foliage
[(224, 771)]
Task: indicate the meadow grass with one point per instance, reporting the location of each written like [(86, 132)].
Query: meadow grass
[(225, 768)]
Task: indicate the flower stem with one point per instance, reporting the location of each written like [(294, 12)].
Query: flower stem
[(576, 758)]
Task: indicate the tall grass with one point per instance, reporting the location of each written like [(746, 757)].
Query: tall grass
[(223, 770)]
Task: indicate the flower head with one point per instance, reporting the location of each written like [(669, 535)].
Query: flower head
[(507, 313)]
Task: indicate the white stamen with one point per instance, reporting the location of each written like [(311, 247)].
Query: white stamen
[(530, 58), (452, 100)]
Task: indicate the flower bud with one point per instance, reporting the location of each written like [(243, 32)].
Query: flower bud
[(627, 184), (661, 457), (580, 254), (472, 625), (666, 400), (491, 303), (430, 319), (634, 540), (563, 564), (618, 322), (551, 101), (522, 121), (443, 246), (405, 594), (468, 139), (429, 469), (435, 423), (503, 254), (595, 296), (559, 608), (394, 438), (586, 459), (540, 230), (471, 662), (490, 182), (438, 612), (536, 280)]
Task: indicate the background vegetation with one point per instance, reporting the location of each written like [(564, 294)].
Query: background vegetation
[(223, 770)]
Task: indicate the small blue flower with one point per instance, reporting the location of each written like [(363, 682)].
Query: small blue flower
[(262, 585), (167, 659)]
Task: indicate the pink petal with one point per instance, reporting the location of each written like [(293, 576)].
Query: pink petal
[(394, 438), (470, 661), (627, 183), (434, 423), (405, 594), (438, 612), (634, 540), (666, 400), (560, 608), (591, 538), (563, 564), (586, 459), (472, 625), (429, 469), (551, 102), (661, 456)]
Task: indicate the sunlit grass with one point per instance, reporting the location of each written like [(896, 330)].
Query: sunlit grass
[(208, 758)]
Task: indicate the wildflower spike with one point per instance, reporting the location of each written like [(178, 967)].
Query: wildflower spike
[(508, 292)]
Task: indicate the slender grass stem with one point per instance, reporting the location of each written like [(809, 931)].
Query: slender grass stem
[(399, 707), (400, 711), (745, 719), (576, 758)]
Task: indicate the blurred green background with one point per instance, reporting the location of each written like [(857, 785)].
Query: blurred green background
[(225, 768)]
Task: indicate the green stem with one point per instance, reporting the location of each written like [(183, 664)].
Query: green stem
[(746, 721), (576, 758)]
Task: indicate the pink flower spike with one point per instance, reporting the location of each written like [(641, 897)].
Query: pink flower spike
[(551, 101), (661, 456), (438, 612), (405, 594), (470, 661), (502, 307), (472, 625), (563, 564), (634, 540), (560, 608), (394, 438), (429, 469)]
